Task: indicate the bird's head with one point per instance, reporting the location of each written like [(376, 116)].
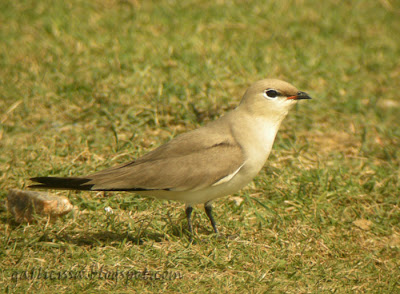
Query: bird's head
[(271, 98)]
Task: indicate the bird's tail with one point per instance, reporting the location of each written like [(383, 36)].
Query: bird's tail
[(73, 183)]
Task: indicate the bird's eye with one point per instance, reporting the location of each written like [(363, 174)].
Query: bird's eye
[(271, 94)]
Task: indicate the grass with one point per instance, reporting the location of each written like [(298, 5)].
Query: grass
[(88, 84)]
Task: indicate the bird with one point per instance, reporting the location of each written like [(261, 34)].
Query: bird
[(203, 164)]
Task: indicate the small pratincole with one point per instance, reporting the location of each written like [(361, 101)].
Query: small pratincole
[(206, 163)]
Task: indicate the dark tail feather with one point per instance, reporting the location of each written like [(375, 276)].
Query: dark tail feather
[(61, 183)]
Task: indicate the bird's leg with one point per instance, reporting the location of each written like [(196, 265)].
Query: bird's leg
[(208, 209), (188, 211)]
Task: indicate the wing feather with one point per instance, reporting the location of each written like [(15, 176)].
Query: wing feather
[(191, 161)]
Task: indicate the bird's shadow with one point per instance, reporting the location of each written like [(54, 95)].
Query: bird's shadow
[(105, 238), (102, 238), (99, 238), (110, 238)]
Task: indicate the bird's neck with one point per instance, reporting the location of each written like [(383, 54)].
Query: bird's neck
[(256, 132)]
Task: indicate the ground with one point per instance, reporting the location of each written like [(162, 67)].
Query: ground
[(85, 85)]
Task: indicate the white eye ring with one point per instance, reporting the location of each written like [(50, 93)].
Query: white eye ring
[(271, 94)]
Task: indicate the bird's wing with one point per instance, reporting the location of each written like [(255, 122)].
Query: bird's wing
[(191, 161)]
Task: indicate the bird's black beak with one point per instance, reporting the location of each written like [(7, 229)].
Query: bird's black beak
[(300, 95)]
